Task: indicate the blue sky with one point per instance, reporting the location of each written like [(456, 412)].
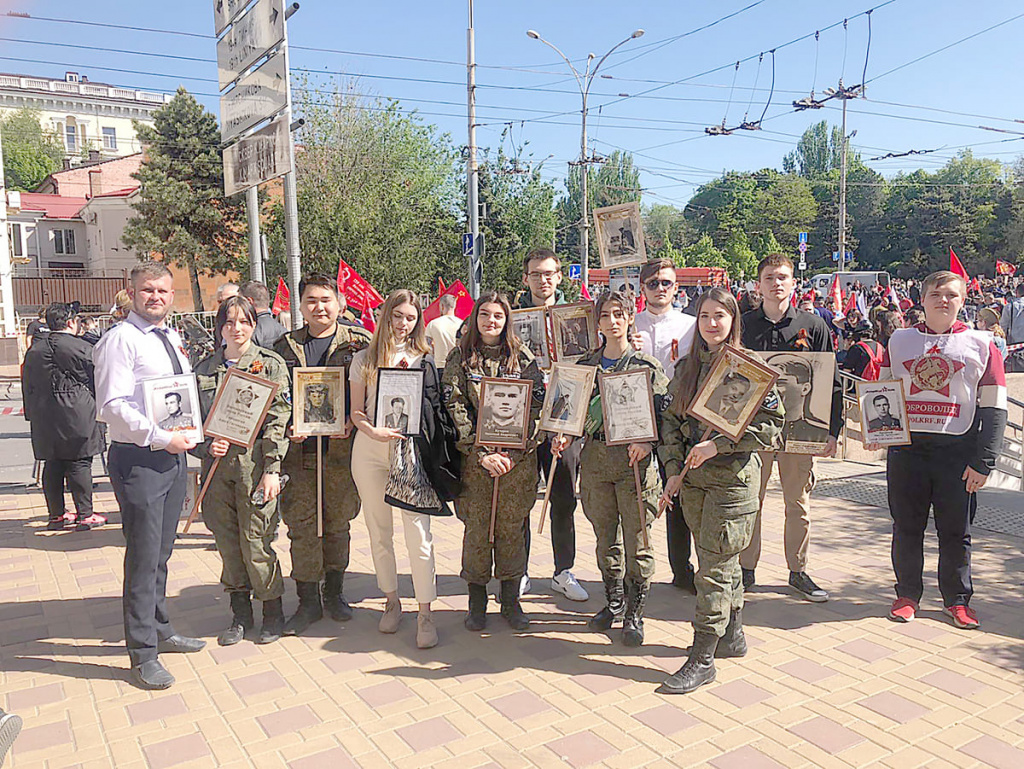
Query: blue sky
[(524, 84)]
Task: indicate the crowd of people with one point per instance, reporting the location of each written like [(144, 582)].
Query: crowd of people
[(711, 486)]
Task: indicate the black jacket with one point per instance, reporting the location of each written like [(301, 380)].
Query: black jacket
[(437, 440), (60, 398), (268, 330)]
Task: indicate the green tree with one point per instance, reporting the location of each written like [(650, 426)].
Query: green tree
[(30, 153), (183, 216), (818, 152)]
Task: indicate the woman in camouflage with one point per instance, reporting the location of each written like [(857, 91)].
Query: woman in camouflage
[(719, 492), (489, 348), (243, 529)]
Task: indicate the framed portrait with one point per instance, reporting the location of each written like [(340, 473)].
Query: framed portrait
[(733, 392), (883, 413), (239, 408), (567, 400), (531, 326), (503, 419), (620, 235), (172, 402), (805, 385), (574, 328), (627, 407), (399, 399), (318, 400)]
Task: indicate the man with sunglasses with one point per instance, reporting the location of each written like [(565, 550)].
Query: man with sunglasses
[(666, 333)]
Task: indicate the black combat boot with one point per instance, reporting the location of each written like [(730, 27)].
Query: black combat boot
[(698, 670), (476, 617), (309, 610), (613, 610), (334, 598), (733, 643), (241, 619), (510, 608), (633, 622), (273, 621)]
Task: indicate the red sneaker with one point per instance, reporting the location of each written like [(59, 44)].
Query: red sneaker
[(963, 617), (91, 522), (903, 610), (69, 518)]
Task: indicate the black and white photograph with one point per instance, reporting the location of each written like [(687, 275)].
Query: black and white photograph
[(883, 413), (531, 326), (567, 399), (805, 386), (733, 392), (503, 420), (239, 408), (620, 235), (173, 403), (627, 407), (318, 401), (399, 399), (626, 279), (574, 328)]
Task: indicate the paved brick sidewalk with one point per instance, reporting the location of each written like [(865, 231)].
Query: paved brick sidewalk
[(824, 685)]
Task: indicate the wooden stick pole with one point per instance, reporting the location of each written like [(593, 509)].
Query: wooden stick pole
[(547, 491), (640, 505), (202, 493), (494, 510), (319, 487), (704, 437)]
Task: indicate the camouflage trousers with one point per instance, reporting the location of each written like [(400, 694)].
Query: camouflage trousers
[(312, 556), (720, 506), (608, 491), (517, 491), (244, 532)]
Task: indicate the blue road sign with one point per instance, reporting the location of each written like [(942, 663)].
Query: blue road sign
[(802, 248), (575, 271), (467, 244), (802, 236)]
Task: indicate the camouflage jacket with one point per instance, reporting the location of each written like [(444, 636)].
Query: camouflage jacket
[(629, 361)]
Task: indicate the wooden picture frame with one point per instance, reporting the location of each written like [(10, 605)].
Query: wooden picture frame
[(620, 235), (574, 330), (734, 390), (399, 403), (891, 426), (567, 400), (318, 400), (531, 326), (172, 403), (495, 429), (627, 407), (805, 384), (240, 407)]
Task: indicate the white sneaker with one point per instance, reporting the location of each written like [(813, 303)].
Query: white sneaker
[(566, 584)]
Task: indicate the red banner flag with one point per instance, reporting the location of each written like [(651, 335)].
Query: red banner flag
[(851, 303), (441, 288), (956, 266), (836, 296), (463, 303), (358, 293), (584, 293), (282, 300), (1005, 268)]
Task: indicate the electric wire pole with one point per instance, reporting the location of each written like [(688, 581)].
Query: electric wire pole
[(472, 172)]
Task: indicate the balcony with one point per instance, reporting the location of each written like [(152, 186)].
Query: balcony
[(86, 89)]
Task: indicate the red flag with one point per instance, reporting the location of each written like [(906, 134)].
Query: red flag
[(793, 300), (956, 266), (1005, 268), (366, 319), (440, 286), (584, 293), (358, 293), (282, 300), (851, 303), (836, 296), (463, 303), (974, 285)]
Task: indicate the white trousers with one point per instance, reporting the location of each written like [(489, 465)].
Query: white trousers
[(371, 461)]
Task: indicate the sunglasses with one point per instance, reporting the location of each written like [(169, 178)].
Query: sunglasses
[(656, 284)]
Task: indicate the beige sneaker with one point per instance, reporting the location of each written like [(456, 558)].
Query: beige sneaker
[(391, 618), (426, 633)]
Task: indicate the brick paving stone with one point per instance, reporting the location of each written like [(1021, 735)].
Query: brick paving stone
[(807, 670), (288, 720), (922, 630), (740, 693), (157, 709), (598, 684), (35, 738), (338, 663), (189, 747), (384, 694), (953, 683), (222, 655), (826, 734), (866, 651), (34, 697), (335, 758), (994, 753), (894, 707), (429, 734), (519, 705), (258, 684), (582, 749), (747, 757), (666, 719)]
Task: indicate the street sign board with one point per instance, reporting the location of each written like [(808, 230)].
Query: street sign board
[(257, 96), (225, 11), (802, 248), (802, 237), (258, 157), (575, 271), (254, 33), (803, 263), (467, 244)]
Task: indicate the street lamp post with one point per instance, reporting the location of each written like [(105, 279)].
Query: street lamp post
[(584, 81)]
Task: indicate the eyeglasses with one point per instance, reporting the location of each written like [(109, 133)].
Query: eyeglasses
[(546, 275), (656, 284)]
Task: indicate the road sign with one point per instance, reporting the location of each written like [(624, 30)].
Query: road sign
[(575, 271), (803, 263), (257, 96), (258, 157), (254, 33), (467, 244), (225, 11), (802, 247), (802, 236)]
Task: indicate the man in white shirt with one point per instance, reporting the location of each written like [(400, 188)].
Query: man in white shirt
[(666, 333), (147, 467), (441, 331)]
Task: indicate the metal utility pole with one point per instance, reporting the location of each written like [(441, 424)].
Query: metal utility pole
[(8, 327), (842, 188), (584, 82), (472, 172), (252, 210), (291, 198)]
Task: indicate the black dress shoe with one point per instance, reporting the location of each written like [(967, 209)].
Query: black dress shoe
[(151, 675), (685, 582), (180, 644)]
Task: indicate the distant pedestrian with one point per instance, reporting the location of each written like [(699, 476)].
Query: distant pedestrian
[(225, 291), (268, 330), (441, 331)]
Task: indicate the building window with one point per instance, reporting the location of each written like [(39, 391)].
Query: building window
[(71, 137), (64, 242), (17, 247), (109, 138)]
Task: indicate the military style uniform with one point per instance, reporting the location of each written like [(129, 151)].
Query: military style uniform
[(315, 558), (506, 556), (244, 531), (608, 492)]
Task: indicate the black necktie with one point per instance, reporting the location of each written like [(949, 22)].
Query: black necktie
[(175, 362)]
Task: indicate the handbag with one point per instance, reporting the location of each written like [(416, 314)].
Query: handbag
[(408, 486)]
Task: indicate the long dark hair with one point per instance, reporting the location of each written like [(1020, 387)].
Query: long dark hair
[(472, 341), (243, 304), (684, 383)]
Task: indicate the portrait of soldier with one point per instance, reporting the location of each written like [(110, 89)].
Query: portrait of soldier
[(177, 417), (730, 397), (502, 413), (397, 419), (627, 243), (318, 406), (883, 420), (795, 383), (561, 406), (575, 340)]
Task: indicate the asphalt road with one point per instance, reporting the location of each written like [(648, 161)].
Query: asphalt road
[(15, 441)]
